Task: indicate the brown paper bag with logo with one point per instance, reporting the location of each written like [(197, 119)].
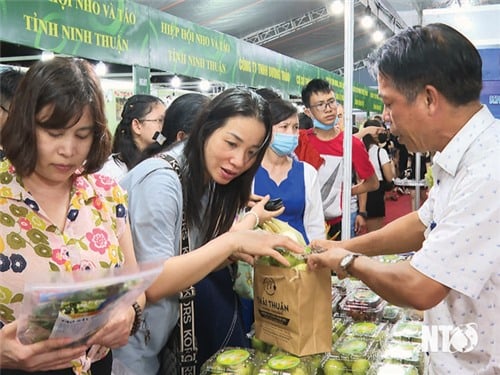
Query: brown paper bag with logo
[(293, 309)]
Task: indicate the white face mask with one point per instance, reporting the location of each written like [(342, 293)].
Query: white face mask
[(320, 125)]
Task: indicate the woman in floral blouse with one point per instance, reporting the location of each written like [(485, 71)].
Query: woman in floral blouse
[(55, 215)]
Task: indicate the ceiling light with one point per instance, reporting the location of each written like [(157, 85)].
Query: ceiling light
[(175, 82), (378, 36), (367, 21), (101, 69), (204, 85), (47, 55), (337, 7)]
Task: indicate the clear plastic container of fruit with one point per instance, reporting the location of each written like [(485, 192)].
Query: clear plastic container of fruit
[(335, 365), (407, 330), (336, 298), (339, 325), (392, 313), (339, 287), (288, 364), (377, 331), (230, 360), (363, 304), (384, 368), (363, 297), (405, 352), (349, 348)]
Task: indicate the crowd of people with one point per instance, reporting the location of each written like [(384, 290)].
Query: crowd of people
[(185, 186)]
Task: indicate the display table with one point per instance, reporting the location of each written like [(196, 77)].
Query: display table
[(409, 183)]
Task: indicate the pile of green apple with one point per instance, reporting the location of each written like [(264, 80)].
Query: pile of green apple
[(333, 366), (351, 357)]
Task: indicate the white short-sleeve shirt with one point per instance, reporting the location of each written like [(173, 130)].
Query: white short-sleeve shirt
[(462, 248)]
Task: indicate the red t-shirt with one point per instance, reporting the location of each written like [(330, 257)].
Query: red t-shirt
[(330, 172)]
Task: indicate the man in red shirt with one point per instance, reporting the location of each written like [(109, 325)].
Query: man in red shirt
[(322, 146)]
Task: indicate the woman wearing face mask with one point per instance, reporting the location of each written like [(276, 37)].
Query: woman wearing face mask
[(282, 176)]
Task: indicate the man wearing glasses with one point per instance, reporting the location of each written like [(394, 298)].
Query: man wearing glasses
[(326, 140)]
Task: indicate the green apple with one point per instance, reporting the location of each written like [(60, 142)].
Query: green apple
[(283, 362), (334, 367), (360, 366), (258, 344), (299, 371), (315, 361), (241, 369), (335, 337), (363, 328)]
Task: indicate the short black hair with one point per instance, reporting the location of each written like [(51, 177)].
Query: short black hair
[(70, 86), (436, 55), (9, 81)]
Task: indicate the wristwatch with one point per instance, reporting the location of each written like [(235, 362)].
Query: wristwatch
[(346, 261), (363, 214)]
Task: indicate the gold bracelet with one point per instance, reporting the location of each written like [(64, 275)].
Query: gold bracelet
[(256, 217)]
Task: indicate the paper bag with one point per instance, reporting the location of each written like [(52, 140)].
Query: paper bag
[(293, 309)]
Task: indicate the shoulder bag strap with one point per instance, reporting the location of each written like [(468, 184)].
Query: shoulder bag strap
[(380, 164), (188, 347)]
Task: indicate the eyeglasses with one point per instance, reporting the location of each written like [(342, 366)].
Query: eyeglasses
[(157, 120), (322, 106), (4, 108)]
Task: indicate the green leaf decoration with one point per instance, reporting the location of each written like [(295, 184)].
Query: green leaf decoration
[(53, 267), (17, 298)]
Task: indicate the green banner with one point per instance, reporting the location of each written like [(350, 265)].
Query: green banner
[(112, 30), (124, 32)]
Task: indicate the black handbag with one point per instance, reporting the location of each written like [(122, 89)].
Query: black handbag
[(384, 184), (178, 356)]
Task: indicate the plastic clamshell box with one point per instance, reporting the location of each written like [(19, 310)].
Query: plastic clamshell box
[(336, 298), (339, 287), (339, 325), (396, 351), (407, 330), (373, 330), (288, 364), (363, 297), (349, 348), (393, 369), (230, 360), (335, 364), (360, 312), (391, 313)]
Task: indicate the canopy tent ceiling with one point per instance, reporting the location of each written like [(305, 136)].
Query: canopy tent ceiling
[(306, 30)]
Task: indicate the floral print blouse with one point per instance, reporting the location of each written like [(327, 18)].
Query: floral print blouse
[(30, 243)]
